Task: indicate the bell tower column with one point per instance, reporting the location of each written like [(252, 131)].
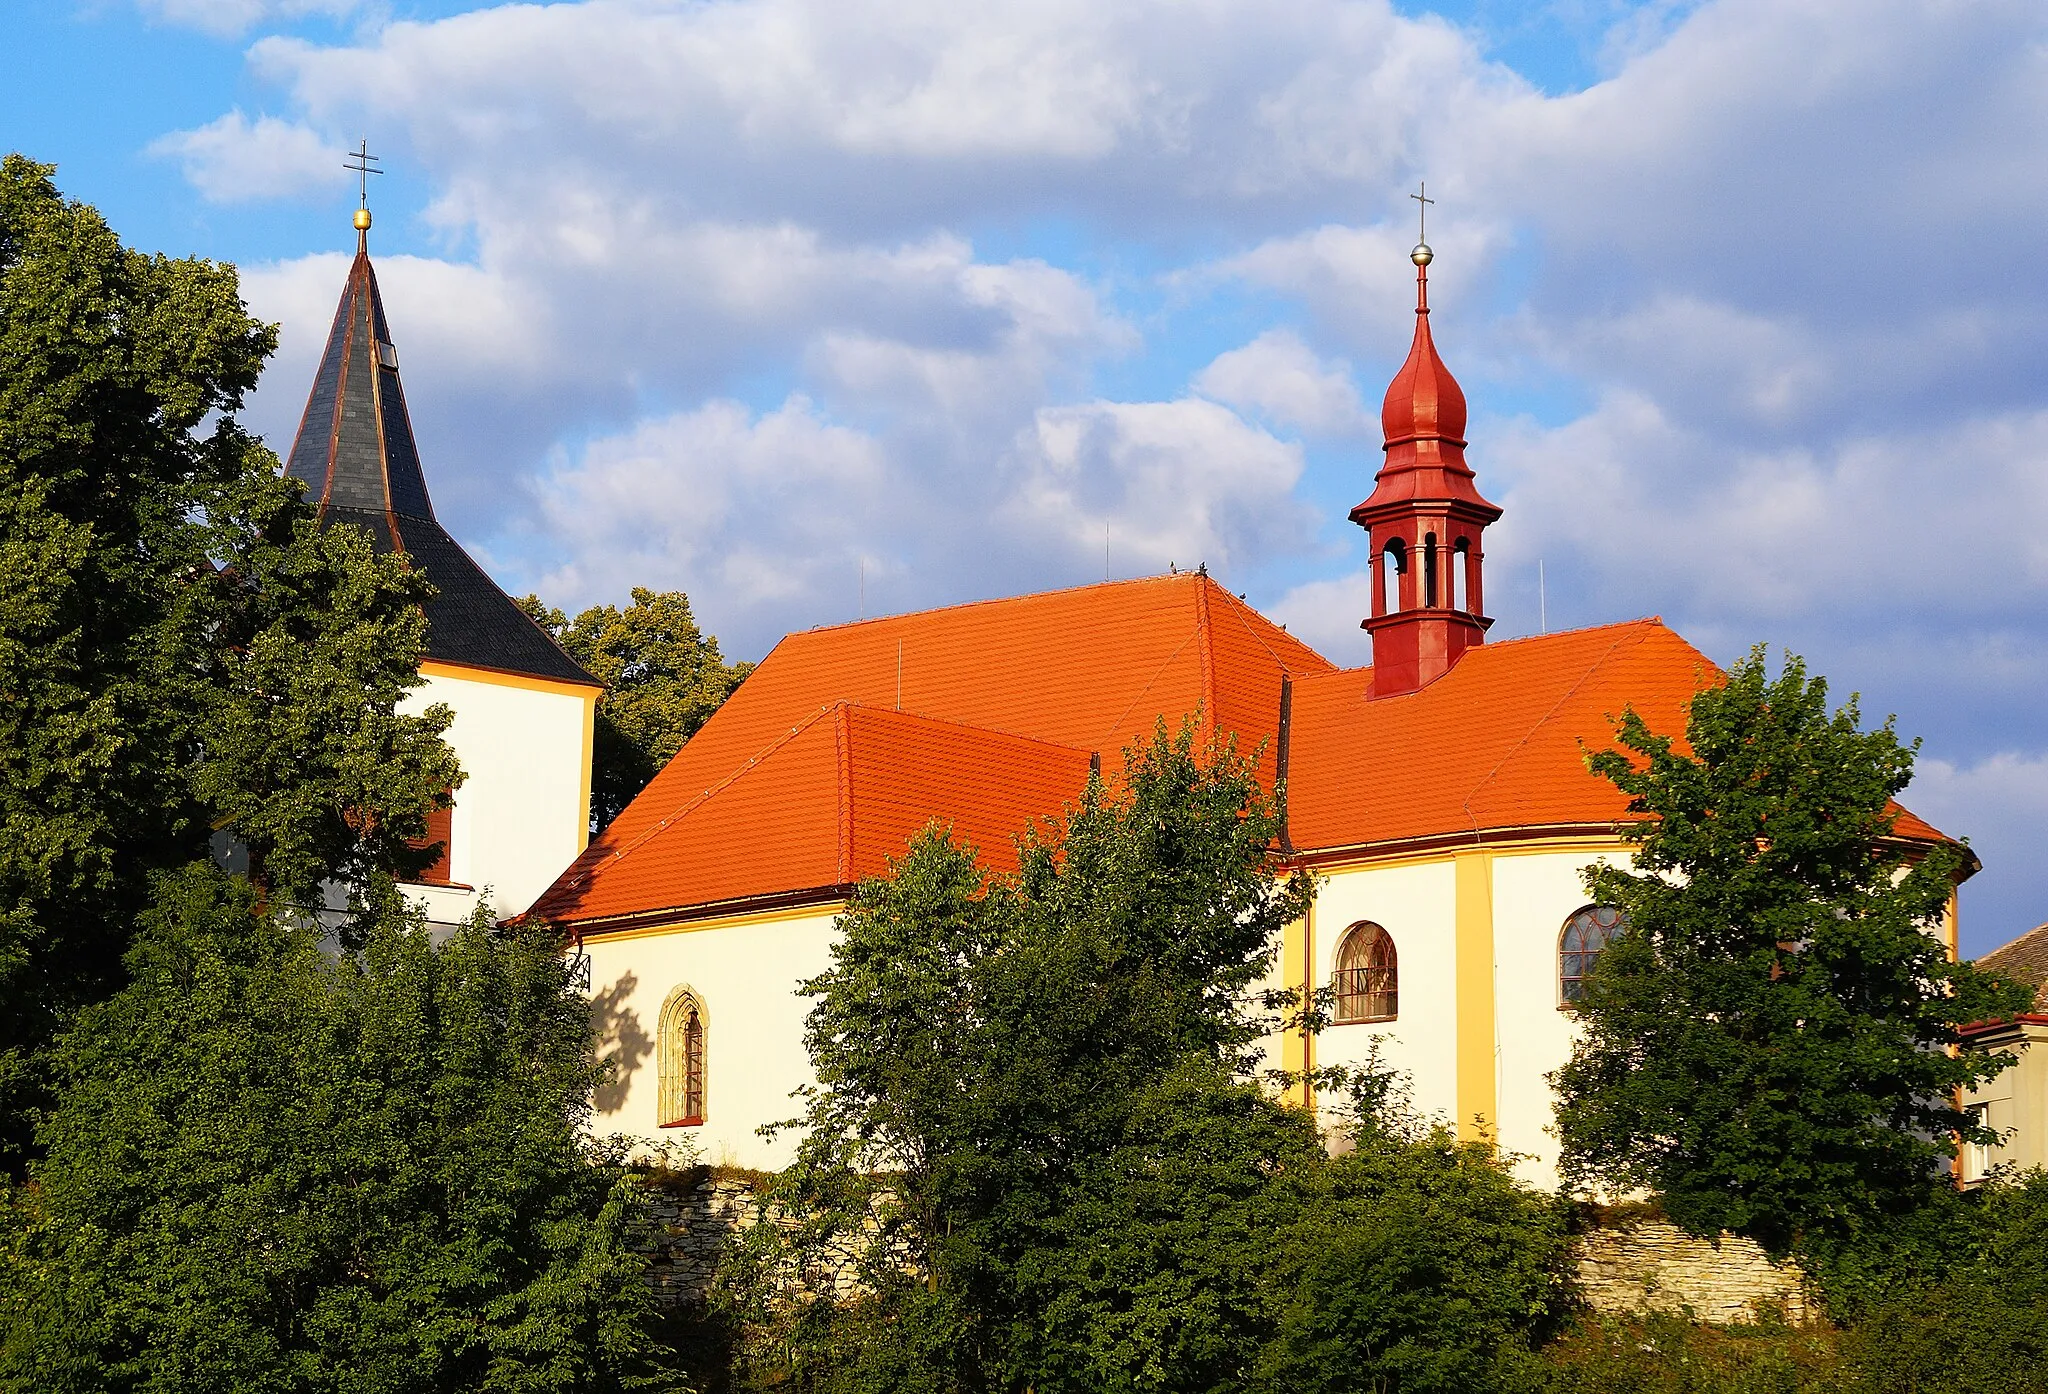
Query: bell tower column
[(1424, 521)]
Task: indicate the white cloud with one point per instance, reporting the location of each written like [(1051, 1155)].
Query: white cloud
[(1941, 524), (2000, 803), (228, 18), (1325, 615), (754, 511), (1752, 330), (772, 518), (1185, 482), (236, 160), (1279, 377)]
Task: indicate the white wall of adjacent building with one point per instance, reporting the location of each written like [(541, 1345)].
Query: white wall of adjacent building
[(523, 812)]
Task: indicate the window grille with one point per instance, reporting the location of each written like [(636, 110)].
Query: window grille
[(1586, 933), (1368, 976), (682, 1060)]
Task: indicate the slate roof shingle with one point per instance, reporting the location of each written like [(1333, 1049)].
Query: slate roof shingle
[(356, 455)]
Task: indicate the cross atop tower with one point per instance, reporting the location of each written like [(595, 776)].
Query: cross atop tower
[(362, 164), (1422, 211)]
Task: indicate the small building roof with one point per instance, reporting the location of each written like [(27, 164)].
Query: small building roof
[(2025, 958), (845, 741), (356, 455)]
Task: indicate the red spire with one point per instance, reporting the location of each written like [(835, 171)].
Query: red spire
[(1424, 520), (1423, 400)]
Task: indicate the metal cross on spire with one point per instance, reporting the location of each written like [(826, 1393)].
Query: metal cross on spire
[(1422, 212), (364, 164)]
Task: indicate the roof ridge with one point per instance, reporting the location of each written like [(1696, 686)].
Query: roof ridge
[(1498, 644), (1538, 725), (1168, 579), (697, 801), (842, 733), (1238, 606)]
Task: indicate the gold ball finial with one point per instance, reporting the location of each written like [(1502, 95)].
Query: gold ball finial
[(1422, 255), (362, 220)]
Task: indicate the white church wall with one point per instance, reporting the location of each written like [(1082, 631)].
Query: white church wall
[(523, 813), (1533, 894), (1415, 902), (745, 974)]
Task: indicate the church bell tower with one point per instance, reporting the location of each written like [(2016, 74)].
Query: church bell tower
[(1424, 520), (524, 712)]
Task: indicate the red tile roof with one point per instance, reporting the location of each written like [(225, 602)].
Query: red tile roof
[(810, 777)]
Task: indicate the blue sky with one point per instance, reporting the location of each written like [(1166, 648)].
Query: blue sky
[(755, 297)]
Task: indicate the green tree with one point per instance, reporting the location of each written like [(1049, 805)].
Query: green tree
[(182, 649), (276, 1167), (663, 679), (983, 1046), (1767, 1047), (1036, 1140)]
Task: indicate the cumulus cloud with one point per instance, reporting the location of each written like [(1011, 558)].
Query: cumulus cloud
[(783, 516), (1279, 377), (1752, 328), (236, 160), (1999, 803), (228, 18), (1185, 482)]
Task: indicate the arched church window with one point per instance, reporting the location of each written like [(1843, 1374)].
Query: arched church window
[(1586, 933), (1460, 588), (1429, 571), (682, 1060), (1368, 977)]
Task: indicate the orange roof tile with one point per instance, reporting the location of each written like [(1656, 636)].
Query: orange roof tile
[(1494, 743), (827, 806), (809, 778), (1090, 669)]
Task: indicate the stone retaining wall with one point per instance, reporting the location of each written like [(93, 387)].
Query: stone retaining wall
[(1623, 1266), (698, 1215), (1652, 1265)]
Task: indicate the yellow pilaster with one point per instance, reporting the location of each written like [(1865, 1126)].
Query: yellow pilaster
[(1297, 967), (1477, 1106)]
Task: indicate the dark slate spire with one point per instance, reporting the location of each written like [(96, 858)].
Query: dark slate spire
[(356, 456)]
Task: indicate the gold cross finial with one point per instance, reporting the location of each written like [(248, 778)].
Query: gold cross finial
[(363, 164), (1422, 212)]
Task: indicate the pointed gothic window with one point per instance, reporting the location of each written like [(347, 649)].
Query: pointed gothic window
[(1586, 933), (682, 1060), (1368, 977)]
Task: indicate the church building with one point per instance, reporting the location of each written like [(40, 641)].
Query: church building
[(1440, 796), (524, 711)]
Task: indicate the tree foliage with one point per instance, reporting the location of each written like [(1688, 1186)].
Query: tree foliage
[(1036, 1140), (182, 649), (663, 679), (1768, 1045), (278, 1168)]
